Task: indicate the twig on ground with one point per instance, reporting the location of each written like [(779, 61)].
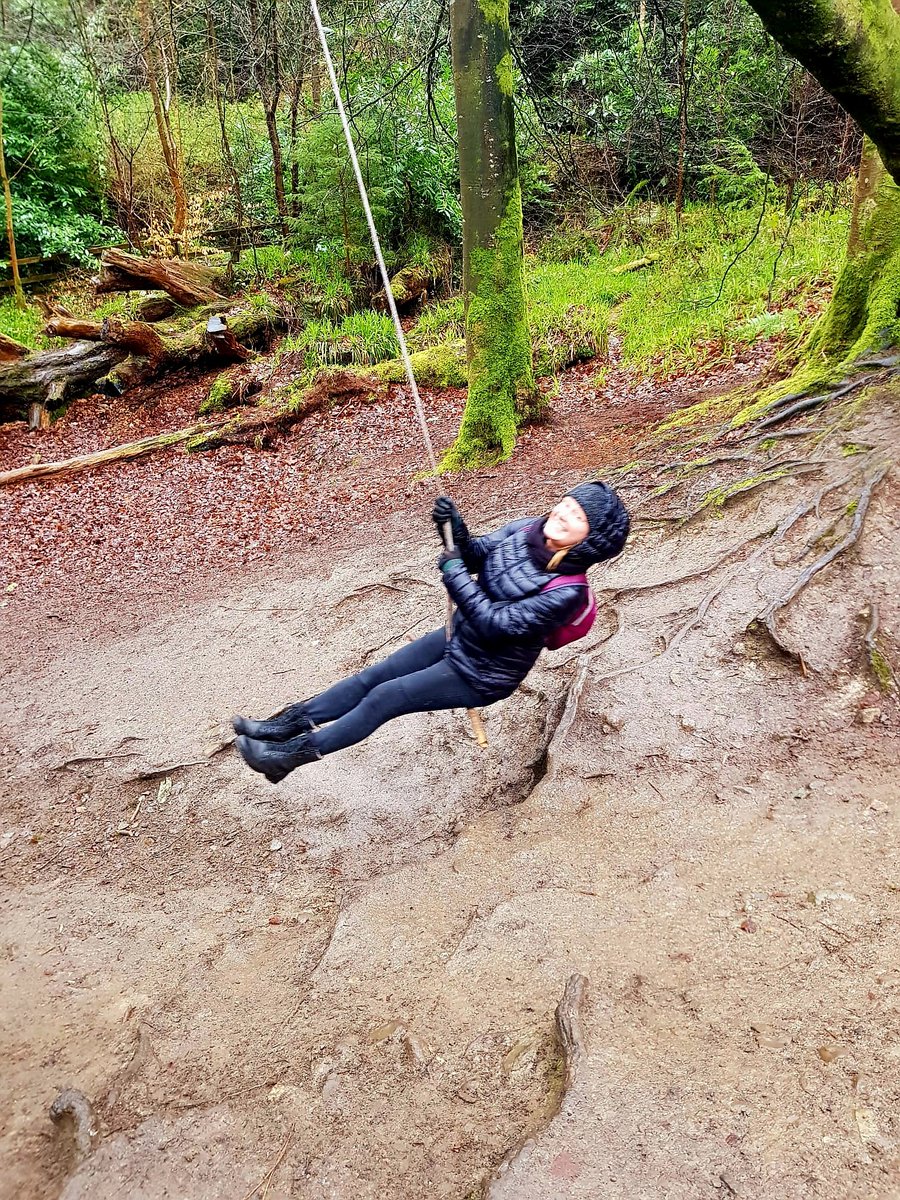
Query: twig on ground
[(262, 1188), (89, 758)]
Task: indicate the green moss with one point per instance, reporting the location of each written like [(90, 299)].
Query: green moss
[(438, 366), (881, 669), (502, 392), (218, 395), (849, 449), (864, 313), (717, 498), (506, 75), (851, 508), (718, 408), (495, 11)]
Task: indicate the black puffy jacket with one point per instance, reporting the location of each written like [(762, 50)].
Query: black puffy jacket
[(504, 618)]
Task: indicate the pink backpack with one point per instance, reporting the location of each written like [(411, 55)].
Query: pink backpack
[(580, 625)]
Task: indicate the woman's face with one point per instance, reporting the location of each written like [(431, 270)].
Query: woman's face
[(567, 525)]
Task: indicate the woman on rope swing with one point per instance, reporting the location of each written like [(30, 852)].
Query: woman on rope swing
[(528, 592)]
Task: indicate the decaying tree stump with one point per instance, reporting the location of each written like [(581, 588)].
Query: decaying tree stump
[(188, 283)]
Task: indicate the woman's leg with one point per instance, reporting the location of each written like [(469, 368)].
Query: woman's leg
[(438, 686), (346, 695)]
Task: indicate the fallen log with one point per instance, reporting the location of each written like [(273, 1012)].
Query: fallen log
[(114, 355), (259, 427), (414, 281), (11, 350), (30, 379), (134, 336), (188, 283), (83, 462)]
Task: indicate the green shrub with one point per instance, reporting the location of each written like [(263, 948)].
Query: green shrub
[(51, 155)]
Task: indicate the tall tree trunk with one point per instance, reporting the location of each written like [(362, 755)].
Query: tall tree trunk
[(853, 49), (682, 112), (864, 313), (502, 393), (170, 146), (10, 234), (267, 74), (227, 154)]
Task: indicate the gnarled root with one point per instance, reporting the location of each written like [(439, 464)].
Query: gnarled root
[(70, 1103), (767, 617), (570, 1032)]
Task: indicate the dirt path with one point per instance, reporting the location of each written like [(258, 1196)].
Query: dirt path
[(349, 980)]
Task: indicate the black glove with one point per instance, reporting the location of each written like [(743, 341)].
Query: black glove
[(444, 512), (449, 556)]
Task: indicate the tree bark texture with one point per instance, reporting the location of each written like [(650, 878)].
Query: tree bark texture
[(501, 381), (7, 205), (853, 49), (11, 350)]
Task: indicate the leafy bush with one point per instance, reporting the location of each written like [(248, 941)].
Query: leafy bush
[(52, 155)]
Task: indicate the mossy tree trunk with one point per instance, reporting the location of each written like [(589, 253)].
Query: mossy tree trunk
[(864, 313), (853, 48), (502, 392)]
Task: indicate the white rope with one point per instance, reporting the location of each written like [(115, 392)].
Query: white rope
[(376, 242)]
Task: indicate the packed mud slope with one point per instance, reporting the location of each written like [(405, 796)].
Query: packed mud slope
[(344, 987)]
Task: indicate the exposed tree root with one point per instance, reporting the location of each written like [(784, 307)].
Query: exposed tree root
[(772, 538), (786, 410), (570, 1033), (879, 664), (570, 1029), (70, 1103), (859, 515)]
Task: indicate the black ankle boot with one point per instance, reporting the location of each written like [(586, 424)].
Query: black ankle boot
[(284, 725), (275, 760)]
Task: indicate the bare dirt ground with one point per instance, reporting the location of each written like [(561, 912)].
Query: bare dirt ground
[(344, 987)]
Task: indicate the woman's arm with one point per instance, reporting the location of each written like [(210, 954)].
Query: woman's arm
[(535, 615)]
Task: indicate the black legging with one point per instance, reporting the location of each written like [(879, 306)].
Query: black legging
[(416, 679)]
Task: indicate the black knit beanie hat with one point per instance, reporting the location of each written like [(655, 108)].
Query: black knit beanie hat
[(609, 525)]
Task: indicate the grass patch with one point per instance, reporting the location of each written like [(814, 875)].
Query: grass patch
[(361, 339), (717, 283), (714, 285), (23, 325)]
